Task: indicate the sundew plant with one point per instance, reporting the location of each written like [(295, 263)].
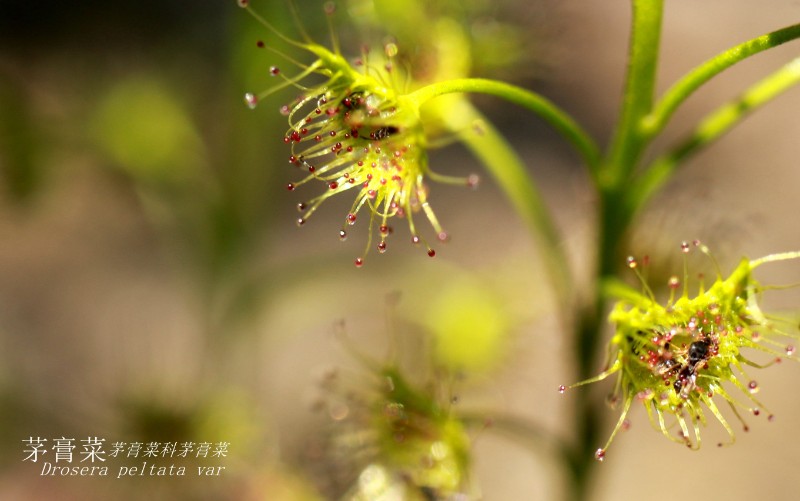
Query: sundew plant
[(361, 125)]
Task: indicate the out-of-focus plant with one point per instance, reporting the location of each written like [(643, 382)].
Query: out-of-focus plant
[(364, 126), (20, 144)]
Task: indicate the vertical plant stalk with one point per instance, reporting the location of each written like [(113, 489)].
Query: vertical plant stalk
[(638, 95), (613, 222)]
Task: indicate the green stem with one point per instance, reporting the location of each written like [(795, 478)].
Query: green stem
[(539, 105), (613, 221), (638, 94), (587, 335), (511, 175), (693, 80), (711, 128)]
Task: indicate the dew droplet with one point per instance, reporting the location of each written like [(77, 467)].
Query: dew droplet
[(632, 263), (274, 71), (756, 411), (301, 221), (382, 247), (443, 236), (260, 44), (752, 386), (342, 235), (351, 219), (251, 100), (338, 411), (673, 282), (384, 229), (431, 252), (562, 389), (789, 350), (473, 181), (771, 418), (415, 239), (600, 455), (301, 206), (685, 247), (290, 187), (390, 49), (333, 185), (626, 425), (359, 262), (243, 3)]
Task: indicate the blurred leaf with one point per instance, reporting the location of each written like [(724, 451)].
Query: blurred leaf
[(469, 326), (155, 420), (20, 144), (146, 132)]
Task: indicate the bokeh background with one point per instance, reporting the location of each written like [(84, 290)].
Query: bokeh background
[(154, 286)]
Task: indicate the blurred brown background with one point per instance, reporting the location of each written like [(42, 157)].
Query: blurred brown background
[(154, 286)]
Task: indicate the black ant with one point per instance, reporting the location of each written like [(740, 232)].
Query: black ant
[(383, 133), (698, 353), (354, 101)]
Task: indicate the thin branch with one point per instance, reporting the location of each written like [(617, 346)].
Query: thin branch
[(716, 124)]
